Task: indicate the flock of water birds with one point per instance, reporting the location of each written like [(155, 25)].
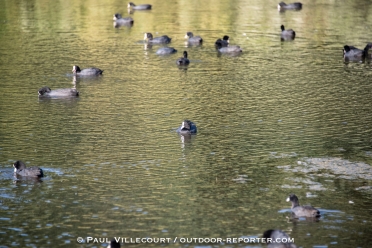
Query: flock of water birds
[(188, 127), (222, 46)]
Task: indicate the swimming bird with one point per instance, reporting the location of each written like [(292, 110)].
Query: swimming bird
[(139, 7), (47, 92), (20, 169), (288, 34), (86, 72), (157, 40), (165, 50), (352, 53), (183, 60), (193, 39), (187, 127), (302, 211), (119, 20), (291, 6), (227, 49), (224, 42), (277, 239)]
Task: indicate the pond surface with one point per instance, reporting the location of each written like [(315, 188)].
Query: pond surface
[(280, 118)]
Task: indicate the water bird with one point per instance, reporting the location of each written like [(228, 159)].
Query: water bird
[(291, 6), (157, 40), (21, 170), (288, 34), (86, 72), (223, 43), (275, 236), (227, 49), (352, 53), (47, 92), (183, 60), (139, 7), (165, 50), (119, 20), (193, 39), (187, 127), (302, 211)]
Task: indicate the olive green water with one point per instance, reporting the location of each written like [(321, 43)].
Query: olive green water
[(280, 118)]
